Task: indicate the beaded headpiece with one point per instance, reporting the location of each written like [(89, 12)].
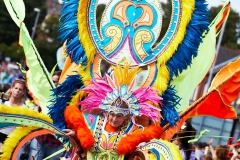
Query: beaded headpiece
[(119, 96)]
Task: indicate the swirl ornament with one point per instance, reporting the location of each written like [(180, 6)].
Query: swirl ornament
[(142, 36), (146, 19), (158, 150), (115, 33), (131, 17)]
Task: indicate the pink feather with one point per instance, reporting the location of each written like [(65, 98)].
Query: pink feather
[(97, 90), (146, 95)]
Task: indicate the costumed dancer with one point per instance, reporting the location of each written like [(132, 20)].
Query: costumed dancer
[(132, 112), (120, 105)]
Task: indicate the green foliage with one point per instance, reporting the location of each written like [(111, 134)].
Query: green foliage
[(232, 29), (167, 13), (99, 12), (47, 42), (9, 31), (14, 51)]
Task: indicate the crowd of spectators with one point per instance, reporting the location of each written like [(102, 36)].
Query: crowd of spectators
[(203, 150)]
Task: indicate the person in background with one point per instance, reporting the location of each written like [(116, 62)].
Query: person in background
[(236, 153), (207, 157), (199, 153), (186, 133), (46, 145), (16, 96), (55, 77), (222, 152)]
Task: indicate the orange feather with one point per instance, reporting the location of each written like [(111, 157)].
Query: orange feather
[(75, 119), (129, 143)]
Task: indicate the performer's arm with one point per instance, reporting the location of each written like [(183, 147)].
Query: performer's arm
[(75, 120)]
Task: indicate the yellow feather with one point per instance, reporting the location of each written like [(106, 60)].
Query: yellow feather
[(83, 31), (162, 79), (85, 74), (76, 98), (125, 74), (12, 141), (25, 112)]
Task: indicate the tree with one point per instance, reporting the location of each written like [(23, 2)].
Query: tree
[(47, 42), (14, 51), (99, 12), (9, 31), (232, 29), (167, 13)]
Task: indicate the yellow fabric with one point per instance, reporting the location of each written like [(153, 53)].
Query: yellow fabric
[(83, 31), (162, 79)]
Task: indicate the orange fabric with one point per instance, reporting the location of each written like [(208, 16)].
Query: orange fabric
[(75, 119), (224, 16), (224, 89), (110, 128), (66, 65), (128, 143), (68, 69)]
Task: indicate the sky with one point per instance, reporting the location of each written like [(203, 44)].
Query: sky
[(235, 4)]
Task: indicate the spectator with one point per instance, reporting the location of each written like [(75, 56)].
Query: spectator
[(186, 133), (207, 157), (55, 77), (199, 153), (16, 99), (236, 153), (222, 152)]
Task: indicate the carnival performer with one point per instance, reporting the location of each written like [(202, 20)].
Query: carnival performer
[(114, 122), (120, 106)]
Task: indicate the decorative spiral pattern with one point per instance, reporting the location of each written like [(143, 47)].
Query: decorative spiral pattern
[(142, 36), (115, 33)]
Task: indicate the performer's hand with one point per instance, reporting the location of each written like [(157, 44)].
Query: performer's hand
[(141, 145), (69, 132)]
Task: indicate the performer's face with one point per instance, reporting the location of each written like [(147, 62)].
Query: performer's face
[(116, 120)]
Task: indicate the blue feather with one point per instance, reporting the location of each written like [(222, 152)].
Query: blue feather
[(170, 101), (61, 96), (182, 58), (188, 49), (68, 31)]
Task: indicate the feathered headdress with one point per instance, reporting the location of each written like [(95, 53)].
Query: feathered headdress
[(116, 93)]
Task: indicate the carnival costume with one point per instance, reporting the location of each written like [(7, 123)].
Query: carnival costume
[(153, 79)]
